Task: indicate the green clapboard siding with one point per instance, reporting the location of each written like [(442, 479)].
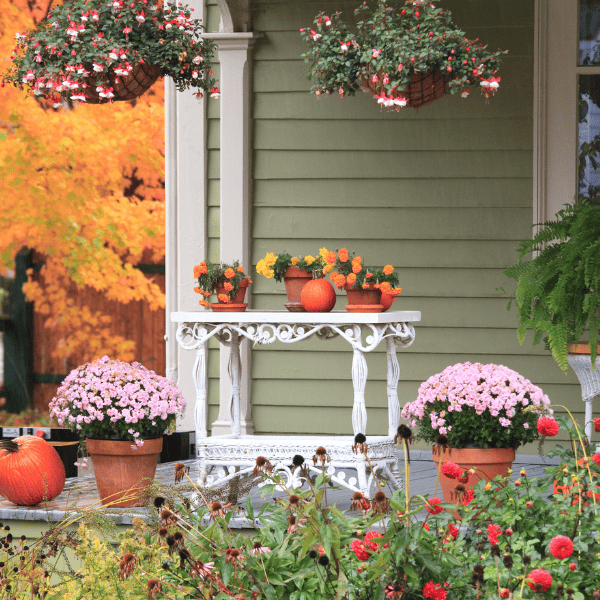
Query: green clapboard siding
[(444, 194)]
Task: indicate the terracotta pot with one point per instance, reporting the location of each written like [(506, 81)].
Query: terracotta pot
[(489, 462), (363, 297), (119, 468), (584, 347), (295, 279), (387, 300), (239, 297)]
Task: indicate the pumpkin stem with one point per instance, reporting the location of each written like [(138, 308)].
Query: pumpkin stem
[(9, 445)]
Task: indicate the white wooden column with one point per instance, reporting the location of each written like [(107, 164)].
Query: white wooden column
[(186, 221), (235, 151)]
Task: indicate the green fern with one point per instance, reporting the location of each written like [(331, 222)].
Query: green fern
[(558, 290)]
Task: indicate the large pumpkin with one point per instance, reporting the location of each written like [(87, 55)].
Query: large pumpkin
[(30, 470), (318, 295)]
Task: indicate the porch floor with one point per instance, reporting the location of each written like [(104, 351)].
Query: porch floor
[(81, 492)]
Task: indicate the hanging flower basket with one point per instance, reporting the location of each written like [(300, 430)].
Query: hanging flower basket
[(99, 51), (141, 78), (404, 54)]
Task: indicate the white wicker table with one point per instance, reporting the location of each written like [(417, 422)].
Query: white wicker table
[(236, 454)]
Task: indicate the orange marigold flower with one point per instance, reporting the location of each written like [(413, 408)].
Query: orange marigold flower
[(356, 267), (224, 298), (197, 272), (294, 261), (207, 294), (248, 280), (330, 258), (351, 279), (198, 290), (230, 273), (385, 286), (388, 269), (356, 259), (369, 275), (396, 291), (339, 281), (365, 286), (228, 287), (343, 255), (203, 302), (240, 269)]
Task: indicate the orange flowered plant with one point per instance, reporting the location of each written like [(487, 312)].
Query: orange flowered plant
[(352, 272), (227, 278)]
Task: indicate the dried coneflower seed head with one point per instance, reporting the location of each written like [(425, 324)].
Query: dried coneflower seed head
[(179, 466), (495, 550), (508, 561), (166, 514), (261, 461), (526, 559), (379, 496), (479, 548), (570, 591), (404, 432), (357, 496), (360, 438), (216, 506), (442, 440), (380, 503), (234, 553), (324, 560), (257, 545), (292, 520), (320, 451), (298, 460), (478, 569), (170, 540), (313, 554), (178, 535), (294, 500), (159, 501), (163, 532)]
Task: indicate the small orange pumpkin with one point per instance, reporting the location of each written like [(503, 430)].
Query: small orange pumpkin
[(30, 470), (318, 295)]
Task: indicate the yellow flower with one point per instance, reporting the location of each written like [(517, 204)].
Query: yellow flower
[(269, 273), (294, 261), (323, 252), (327, 269), (309, 260), (270, 259), (261, 266)]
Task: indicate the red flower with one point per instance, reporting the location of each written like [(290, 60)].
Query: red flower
[(541, 578), (504, 593), (561, 546), (372, 545), (468, 497), (493, 532), (547, 426), (359, 548), (453, 531), (452, 470), (433, 506), (597, 424), (573, 567), (596, 458), (434, 591)]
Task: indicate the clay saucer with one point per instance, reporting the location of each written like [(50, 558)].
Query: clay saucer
[(364, 308), (228, 307), (295, 306)]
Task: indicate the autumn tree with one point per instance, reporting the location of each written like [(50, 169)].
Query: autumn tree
[(83, 185)]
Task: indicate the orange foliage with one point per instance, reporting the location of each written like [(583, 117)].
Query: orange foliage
[(83, 186)]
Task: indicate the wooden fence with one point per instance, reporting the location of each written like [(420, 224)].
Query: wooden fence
[(32, 375)]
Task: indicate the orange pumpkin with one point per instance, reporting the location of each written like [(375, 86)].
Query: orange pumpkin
[(318, 295), (30, 470)]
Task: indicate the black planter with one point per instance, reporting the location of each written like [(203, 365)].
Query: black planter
[(180, 445), (68, 454), (54, 434)]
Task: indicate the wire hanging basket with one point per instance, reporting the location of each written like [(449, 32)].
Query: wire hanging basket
[(130, 86), (423, 88)]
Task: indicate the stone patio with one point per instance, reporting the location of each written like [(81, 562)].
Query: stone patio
[(81, 491)]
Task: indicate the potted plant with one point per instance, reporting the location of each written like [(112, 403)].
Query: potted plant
[(228, 282), (295, 271), (406, 54), (100, 51), (364, 285), (476, 416), (122, 411), (558, 275)]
